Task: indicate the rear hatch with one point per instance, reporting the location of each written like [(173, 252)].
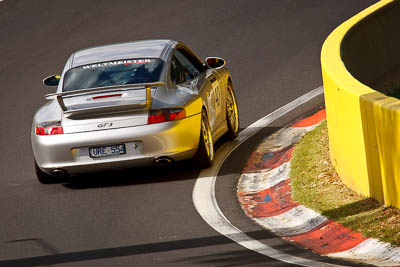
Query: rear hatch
[(105, 122)]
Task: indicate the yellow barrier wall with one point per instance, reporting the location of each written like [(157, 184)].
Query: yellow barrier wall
[(363, 124)]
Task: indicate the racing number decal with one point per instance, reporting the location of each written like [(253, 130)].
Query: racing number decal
[(217, 93)]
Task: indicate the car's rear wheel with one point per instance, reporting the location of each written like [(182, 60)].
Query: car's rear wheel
[(232, 114), (205, 151)]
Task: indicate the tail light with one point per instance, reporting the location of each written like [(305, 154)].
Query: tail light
[(49, 128), (163, 115), (106, 96)]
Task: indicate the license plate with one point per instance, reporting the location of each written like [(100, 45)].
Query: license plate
[(106, 151)]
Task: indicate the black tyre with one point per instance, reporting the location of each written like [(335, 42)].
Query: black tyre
[(205, 152), (43, 177), (232, 114)]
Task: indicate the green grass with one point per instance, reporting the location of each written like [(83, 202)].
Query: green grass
[(316, 185)]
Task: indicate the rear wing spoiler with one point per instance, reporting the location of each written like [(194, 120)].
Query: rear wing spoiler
[(60, 96)]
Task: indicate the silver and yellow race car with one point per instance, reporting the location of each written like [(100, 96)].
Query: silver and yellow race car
[(130, 104)]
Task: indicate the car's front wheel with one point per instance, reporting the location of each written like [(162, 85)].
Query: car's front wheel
[(205, 151)]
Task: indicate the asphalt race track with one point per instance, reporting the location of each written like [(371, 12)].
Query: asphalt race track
[(144, 217)]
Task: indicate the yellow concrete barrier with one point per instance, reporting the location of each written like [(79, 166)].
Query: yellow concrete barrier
[(363, 124)]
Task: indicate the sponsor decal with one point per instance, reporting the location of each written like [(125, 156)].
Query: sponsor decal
[(118, 62)]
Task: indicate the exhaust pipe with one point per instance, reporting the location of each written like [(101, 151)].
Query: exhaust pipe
[(59, 172), (162, 161)]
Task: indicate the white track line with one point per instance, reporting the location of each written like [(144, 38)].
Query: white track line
[(204, 190)]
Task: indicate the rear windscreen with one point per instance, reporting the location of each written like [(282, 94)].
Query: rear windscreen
[(111, 73)]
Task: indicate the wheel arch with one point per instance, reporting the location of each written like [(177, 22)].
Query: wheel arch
[(230, 79), (204, 107)]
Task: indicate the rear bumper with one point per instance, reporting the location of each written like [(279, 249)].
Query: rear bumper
[(176, 139)]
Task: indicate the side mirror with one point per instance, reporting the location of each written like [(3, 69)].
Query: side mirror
[(52, 80), (215, 62)]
